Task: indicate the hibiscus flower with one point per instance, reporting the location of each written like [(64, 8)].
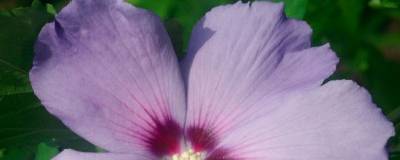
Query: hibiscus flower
[(250, 87)]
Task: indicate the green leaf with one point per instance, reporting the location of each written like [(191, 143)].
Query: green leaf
[(383, 4), (295, 8), (57, 5), (45, 152), (351, 12), (9, 4), (18, 31), (24, 123), (50, 9), (15, 154), (162, 8)]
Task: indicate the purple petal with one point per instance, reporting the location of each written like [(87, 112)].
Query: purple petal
[(337, 121), (241, 54), (74, 155), (109, 72), (260, 30)]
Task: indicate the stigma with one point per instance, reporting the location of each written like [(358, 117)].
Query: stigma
[(187, 155)]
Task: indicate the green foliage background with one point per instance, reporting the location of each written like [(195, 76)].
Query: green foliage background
[(364, 33)]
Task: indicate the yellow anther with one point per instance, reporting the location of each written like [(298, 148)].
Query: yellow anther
[(187, 155)]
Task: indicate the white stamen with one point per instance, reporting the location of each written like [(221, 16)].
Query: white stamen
[(187, 155)]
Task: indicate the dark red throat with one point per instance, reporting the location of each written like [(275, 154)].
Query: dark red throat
[(164, 138)]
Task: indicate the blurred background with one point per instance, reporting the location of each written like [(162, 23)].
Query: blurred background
[(364, 33)]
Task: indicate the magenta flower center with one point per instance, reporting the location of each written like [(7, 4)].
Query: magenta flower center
[(169, 141)]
